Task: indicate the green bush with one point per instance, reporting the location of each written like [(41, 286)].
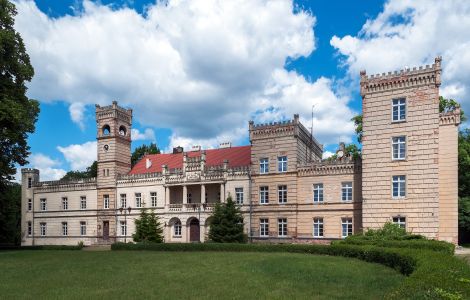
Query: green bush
[(422, 244)]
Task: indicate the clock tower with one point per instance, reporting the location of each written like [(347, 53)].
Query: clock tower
[(114, 158)]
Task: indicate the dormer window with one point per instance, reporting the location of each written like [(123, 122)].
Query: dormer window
[(106, 130)]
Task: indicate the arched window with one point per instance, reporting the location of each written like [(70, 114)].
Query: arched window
[(177, 228), (122, 131), (106, 129)]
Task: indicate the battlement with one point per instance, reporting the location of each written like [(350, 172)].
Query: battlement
[(450, 117), (29, 170), (331, 167), (417, 76), (113, 111)]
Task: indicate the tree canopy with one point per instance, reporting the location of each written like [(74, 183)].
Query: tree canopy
[(141, 151), (90, 172), (148, 228), (18, 113), (227, 223)]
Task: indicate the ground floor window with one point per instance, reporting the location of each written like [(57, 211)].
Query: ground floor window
[(264, 227), (400, 221), (42, 229), (318, 227), (82, 228), (123, 228), (282, 227), (65, 229), (177, 228), (30, 228), (346, 227)]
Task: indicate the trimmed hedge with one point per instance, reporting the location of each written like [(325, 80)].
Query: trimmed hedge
[(42, 247), (430, 274)]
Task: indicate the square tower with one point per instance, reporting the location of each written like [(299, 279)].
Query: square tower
[(114, 158), (400, 165)]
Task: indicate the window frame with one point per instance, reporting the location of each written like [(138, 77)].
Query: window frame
[(282, 164), (83, 203), (319, 188), (43, 204), (123, 225), (177, 229), (348, 222), (282, 227), (30, 228), (30, 182), (153, 199), (65, 229), (29, 205), (399, 105), (284, 194), (398, 143), (399, 222), (106, 201), (264, 191), (399, 181), (43, 229), (349, 190), (138, 200), (264, 165), (318, 222), (264, 227), (82, 228), (123, 200), (239, 195), (65, 203)]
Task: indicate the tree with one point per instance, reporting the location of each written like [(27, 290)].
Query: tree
[(464, 220), (18, 113), (358, 127), (227, 223), (141, 151), (90, 172), (350, 150), (148, 228), (10, 214), (447, 105)]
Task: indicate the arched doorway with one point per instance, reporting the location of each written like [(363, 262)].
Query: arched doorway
[(194, 235)]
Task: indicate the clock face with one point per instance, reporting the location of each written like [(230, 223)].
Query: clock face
[(340, 153), (106, 147)]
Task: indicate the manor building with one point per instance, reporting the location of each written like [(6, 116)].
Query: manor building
[(285, 190)]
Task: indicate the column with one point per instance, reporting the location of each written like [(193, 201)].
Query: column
[(203, 193), (222, 193), (185, 195), (167, 196)]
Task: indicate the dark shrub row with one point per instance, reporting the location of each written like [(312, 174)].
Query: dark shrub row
[(42, 247), (403, 263)]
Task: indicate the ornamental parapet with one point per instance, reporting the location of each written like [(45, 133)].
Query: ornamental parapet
[(65, 185), (450, 117), (418, 76), (331, 167)]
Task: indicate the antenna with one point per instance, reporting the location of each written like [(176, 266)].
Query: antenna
[(311, 128)]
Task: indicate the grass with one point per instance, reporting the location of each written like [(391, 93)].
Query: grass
[(189, 275)]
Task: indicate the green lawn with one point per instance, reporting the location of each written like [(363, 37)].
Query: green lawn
[(202, 275)]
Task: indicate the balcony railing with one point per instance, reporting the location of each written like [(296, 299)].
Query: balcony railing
[(191, 207)]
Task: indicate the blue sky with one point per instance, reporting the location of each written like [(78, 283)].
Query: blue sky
[(196, 73)]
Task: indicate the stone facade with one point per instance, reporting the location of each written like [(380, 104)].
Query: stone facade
[(286, 192)]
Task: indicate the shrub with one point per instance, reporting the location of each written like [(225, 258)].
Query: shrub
[(423, 244)]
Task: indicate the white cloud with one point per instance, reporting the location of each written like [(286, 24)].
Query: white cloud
[(198, 67), (148, 135), (327, 154), (79, 156), (48, 167), (77, 112), (410, 33)]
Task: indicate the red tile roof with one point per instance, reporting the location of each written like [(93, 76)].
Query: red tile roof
[(236, 156)]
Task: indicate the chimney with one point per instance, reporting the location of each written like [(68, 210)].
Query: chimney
[(178, 149)]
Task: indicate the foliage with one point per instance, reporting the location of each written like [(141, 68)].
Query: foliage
[(464, 220), (227, 223), (143, 150), (358, 127), (350, 150), (18, 113), (464, 163), (90, 172), (448, 105), (10, 214), (148, 228)]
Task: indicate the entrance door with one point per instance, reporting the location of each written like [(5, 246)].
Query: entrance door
[(105, 230), (194, 235)]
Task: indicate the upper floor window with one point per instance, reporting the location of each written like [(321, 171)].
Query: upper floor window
[(399, 186), (123, 200), (43, 204), (153, 198), (65, 203), (318, 227), (42, 229), (106, 201), (263, 165), (189, 197), (263, 195), (30, 204), (282, 193), (106, 129), (282, 227), (123, 228), (398, 109), (138, 200), (318, 193), (346, 191), (239, 195), (263, 227), (346, 227), (30, 182), (30, 228), (65, 228), (82, 202), (82, 228), (282, 163), (400, 221), (399, 147)]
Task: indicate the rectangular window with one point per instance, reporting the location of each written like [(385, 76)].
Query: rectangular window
[(123, 228), (263, 227), (282, 227), (346, 227), (346, 191), (189, 197), (42, 229), (399, 186), (263, 195), (106, 201), (30, 204), (399, 109), (43, 204), (318, 193), (138, 200), (82, 202), (263, 165), (400, 221), (239, 195), (318, 227), (177, 228), (82, 228), (30, 182), (153, 198), (65, 203), (282, 193), (399, 147), (282, 163), (30, 228), (123, 200), (65, 228)]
